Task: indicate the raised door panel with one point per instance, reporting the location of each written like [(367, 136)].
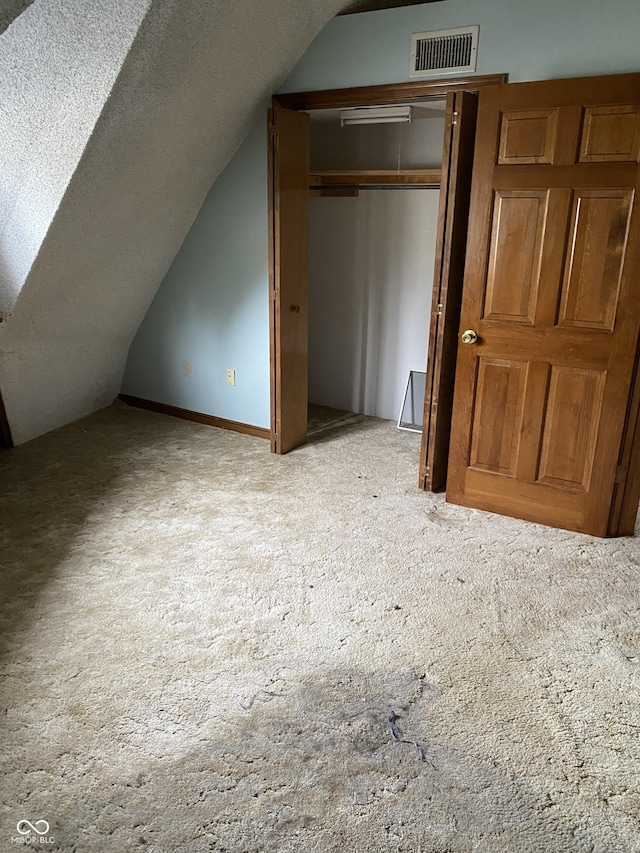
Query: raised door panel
[(528, 136), (595, 258), (498, 415), (610, 133), (515, 255), (570, 427)]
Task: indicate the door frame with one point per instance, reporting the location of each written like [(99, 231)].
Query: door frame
[(331, 99)]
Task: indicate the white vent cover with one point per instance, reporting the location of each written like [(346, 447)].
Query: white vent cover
[(444, 52)]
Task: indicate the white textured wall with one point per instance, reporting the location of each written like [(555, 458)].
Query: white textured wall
[(10, 10), (94, 211), (57, 68), (58, 64)]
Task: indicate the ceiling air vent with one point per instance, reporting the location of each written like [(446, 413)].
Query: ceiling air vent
[(444, 52)]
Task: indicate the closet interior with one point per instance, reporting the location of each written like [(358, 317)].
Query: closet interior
[(374, 195)]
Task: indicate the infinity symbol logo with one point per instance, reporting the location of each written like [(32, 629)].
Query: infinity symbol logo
[(40, 826)]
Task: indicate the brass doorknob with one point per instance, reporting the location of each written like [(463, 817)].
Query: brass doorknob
[(469, 337)]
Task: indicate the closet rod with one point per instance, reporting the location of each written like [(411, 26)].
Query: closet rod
[(374, 187)]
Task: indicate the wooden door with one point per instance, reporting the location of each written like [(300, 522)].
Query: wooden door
[(289, 265), (453, 213), (543, 404)]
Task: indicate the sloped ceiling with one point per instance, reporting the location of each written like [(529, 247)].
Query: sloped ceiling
[(118, 119)]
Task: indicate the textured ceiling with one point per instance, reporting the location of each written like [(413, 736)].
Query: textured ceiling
[(119, 120), (10, 9)]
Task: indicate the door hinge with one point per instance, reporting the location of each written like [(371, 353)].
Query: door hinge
[(621, 474), (439, 309), (454, 118)]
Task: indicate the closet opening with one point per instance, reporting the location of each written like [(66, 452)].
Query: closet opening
[(373, 217), (368, 229)]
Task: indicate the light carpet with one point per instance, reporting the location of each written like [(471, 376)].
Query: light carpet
[(210, 648)]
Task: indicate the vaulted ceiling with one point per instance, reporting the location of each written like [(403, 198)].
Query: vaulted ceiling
[(114, 122)]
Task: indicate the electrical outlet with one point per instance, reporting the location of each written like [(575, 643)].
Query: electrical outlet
[(231, 377), (187, 368)]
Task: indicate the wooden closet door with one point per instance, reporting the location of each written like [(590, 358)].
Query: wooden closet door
[(551, 302), (453, 212), (289, 264)]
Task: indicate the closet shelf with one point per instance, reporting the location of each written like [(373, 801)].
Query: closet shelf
[(379, 177)]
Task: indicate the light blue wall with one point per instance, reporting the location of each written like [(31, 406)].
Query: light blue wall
[(212, 307), (528, 39)]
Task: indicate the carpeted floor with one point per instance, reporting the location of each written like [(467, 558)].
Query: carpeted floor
[(209, 648)]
